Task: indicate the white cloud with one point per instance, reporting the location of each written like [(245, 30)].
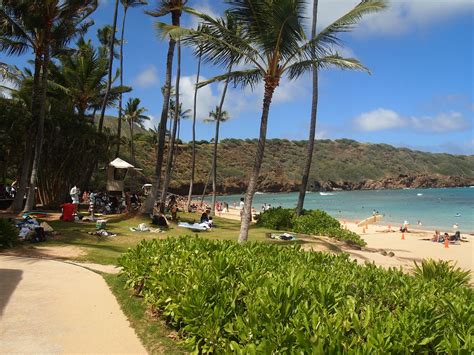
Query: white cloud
[(383, 119), (378, 120), (147, 78), (400, 17)]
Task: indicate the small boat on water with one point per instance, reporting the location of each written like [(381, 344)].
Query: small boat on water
[(419, 194), (326, 193)]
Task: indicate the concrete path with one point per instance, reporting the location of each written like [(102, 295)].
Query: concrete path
[(48, 306)]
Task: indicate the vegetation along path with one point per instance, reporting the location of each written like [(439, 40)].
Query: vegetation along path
[(49, 306)]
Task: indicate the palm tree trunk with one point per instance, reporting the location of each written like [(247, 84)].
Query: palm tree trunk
[(169, 163), (216, 140), (193, 159), (312, 128), (109, 68), (205, 186), (252, 186), (132, 145), (119, 124), (30, 199), (17, 204), (150, 201)]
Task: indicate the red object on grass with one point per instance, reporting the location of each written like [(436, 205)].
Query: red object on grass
[(68, 211)]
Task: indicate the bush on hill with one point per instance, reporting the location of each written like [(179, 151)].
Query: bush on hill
[(259, 298)]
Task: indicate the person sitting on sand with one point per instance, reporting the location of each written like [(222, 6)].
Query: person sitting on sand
[(158, 218), (435, 237), (443, 237)]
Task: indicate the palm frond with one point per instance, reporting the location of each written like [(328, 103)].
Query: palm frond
[(243, 78)]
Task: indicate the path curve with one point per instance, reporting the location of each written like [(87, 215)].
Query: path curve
[(48, 306)]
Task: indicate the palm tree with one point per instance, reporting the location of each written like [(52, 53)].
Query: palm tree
[(175, 8), (271, 40), (193, 158), (110, 64), (126, 5), (45, 27), (312, 127), (133, 114), (217, 116)]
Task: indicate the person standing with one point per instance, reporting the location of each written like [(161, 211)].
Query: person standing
[(74, 192)]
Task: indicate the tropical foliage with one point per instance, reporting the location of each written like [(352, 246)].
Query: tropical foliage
[(259, 298)]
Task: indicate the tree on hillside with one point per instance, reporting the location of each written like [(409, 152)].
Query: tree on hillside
[(45, 27), (134, 115), (273, 43), (175, 8), (127, 4), (217, 116)]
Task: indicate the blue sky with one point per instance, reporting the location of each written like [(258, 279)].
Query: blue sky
[(420, 93)]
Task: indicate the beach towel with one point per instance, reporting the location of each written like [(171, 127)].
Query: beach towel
[(200, 227)]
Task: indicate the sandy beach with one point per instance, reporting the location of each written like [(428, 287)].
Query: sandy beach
[(416, 246)]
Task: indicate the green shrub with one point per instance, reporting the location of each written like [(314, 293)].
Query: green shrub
[(260, 298), (8, 234), (315, 222), (277, 218), (442, 272)]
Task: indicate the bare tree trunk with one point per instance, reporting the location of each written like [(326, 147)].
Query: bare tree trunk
[(150, 201), (132, 146), (17, 204), (109, 68), (30, 199), (252, 186), (193, 159), (205, 186), (312, 128), (119, 124), (169, 163), (216, 140)]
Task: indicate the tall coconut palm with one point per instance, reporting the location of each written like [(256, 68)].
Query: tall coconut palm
[(45, 27), (175, 8), (127, 4), (193, 157), (110, 64), (134, 115), (272, 42), (217, 116), (312, 126)]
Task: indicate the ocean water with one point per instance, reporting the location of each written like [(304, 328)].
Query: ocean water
[(434, 208)]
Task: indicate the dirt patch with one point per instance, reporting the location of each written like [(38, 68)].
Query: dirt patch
[(48, 252)]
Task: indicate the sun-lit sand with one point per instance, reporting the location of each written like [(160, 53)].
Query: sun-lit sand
[(416, 246)]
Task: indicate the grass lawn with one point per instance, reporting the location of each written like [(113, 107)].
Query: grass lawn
[(106, 250)]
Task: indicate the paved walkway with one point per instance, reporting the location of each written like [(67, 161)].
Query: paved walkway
[(48, 306)]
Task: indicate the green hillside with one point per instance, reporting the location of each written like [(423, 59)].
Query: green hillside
[(344, 162)]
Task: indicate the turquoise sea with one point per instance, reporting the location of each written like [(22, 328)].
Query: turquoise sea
[(434, 208)]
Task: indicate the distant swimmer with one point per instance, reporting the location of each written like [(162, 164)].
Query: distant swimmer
[(457, 215)]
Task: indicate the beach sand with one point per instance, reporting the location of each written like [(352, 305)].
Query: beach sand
[(416, 246)]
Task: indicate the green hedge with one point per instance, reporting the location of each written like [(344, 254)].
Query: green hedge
[(260, 298), (315, 222), (8, 234)]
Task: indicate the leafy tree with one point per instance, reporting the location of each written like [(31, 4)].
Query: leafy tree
[(134, 115), (272, 42), (127, 4), (45, 27)]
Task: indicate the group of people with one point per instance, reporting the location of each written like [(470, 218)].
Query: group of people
[(441, 238)]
